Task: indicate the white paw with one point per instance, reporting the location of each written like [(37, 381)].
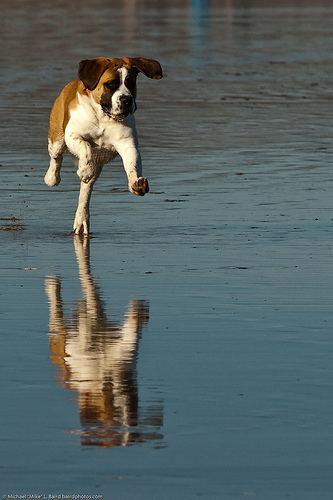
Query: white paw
[(52, 178), (81, 224)]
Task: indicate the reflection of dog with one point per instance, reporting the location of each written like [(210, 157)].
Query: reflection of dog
[(93, 119), (97, 358)]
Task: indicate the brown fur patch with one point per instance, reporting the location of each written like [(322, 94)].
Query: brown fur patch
[(59, 116)]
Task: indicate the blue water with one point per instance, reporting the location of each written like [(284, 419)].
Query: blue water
[(185, 350)]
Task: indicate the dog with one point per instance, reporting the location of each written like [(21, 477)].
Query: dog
[(93, 119), (95, 356)]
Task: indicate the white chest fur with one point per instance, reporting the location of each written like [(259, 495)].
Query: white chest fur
[(88, 122)]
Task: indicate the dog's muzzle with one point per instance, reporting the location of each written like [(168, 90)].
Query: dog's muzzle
[(125, 106)]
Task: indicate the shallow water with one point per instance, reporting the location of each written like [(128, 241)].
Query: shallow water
[(186, 349)]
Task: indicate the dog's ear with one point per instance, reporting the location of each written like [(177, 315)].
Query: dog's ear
[(148, 67), (91, 70)]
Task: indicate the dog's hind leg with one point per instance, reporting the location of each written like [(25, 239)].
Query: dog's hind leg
[(56, 150), (81, 221)]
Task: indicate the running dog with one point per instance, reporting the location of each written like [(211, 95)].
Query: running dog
[(93, 119)]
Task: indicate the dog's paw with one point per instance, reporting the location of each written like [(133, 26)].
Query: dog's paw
[(52, 179), (81, 228), (85, 174), (140, 187), (81, 224)]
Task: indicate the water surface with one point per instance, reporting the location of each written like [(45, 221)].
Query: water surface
[(186, 349)]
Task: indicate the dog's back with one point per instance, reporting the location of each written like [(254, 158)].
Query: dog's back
[(60, 112)]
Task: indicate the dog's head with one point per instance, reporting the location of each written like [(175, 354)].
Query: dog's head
[(112, 82)]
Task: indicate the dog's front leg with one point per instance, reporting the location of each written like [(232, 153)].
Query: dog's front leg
[(133, 167), (81, 149)]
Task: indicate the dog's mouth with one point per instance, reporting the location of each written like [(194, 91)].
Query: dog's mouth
[(118, 117)]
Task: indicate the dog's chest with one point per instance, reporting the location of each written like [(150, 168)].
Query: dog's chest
[(103, 142), (99, 130), (102, 135)]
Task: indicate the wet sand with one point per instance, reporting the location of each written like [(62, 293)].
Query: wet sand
[(185, 350)]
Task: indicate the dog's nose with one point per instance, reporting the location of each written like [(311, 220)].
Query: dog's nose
[(125, 100)]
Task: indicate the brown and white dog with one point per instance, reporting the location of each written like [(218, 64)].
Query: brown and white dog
[(93, 118)]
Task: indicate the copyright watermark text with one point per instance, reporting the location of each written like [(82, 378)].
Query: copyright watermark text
[(49, 496)]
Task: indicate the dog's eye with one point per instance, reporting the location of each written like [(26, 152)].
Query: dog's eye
[(113, 85), (130, 84)]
